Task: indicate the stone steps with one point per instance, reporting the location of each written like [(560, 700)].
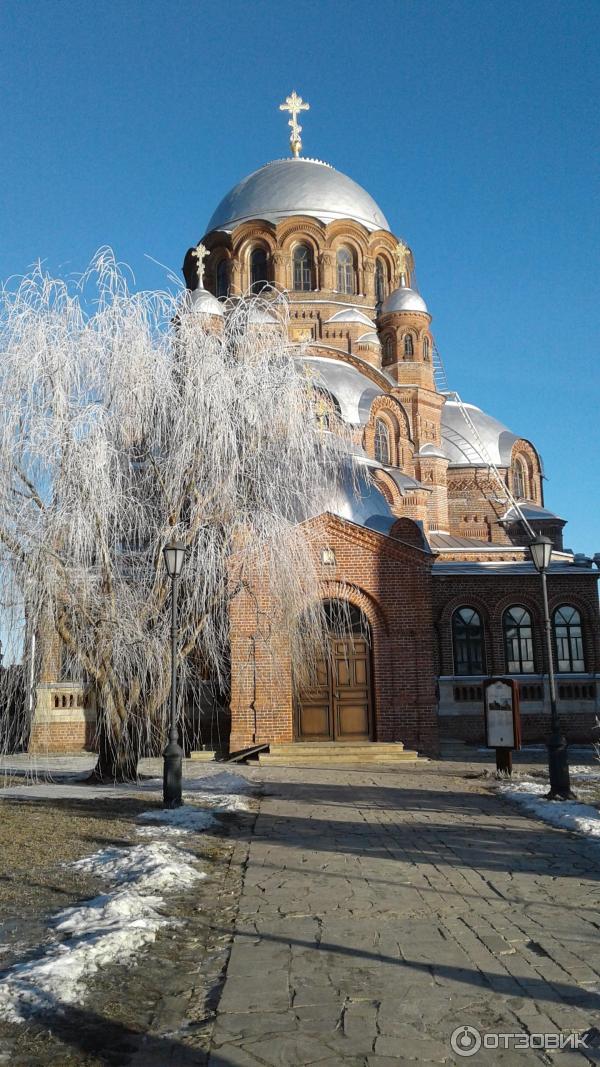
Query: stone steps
[(325, 753)]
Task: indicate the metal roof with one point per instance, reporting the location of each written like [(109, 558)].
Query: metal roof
[(300, 186), (353, 391)]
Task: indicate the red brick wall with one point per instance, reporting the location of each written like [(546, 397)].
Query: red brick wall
[(391, 583)]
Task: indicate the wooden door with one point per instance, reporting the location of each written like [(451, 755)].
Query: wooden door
[(339, 706), (351, 690), (314, 718)]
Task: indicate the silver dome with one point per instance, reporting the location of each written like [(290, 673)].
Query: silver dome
[(355, 496), (352, 314), (201, 302), (353, 391), (370, 338), (462, 447), (404, 299), (297, 187), (431, 451)]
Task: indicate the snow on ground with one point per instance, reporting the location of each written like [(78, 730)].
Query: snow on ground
[(176, 822), (568, 815), (113, 927), (586, 773)]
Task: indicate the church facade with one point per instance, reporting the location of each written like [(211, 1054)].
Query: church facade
[(431, 554)]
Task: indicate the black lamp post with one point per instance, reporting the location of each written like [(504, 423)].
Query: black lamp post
[(174, 554), (558, 763)]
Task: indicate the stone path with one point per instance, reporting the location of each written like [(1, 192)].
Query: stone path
[(383, 909)]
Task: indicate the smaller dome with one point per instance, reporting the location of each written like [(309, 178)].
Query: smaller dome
[(352, 314), (431, 451), (370, 338), (261, 316), (201, 302), (404, 299)]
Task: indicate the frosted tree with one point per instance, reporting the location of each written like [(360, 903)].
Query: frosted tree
[(125, 422)]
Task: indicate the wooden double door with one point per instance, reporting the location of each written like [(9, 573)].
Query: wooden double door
[(339, 707)]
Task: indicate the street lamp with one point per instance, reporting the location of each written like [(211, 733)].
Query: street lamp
[(558, 764), (174, 555)]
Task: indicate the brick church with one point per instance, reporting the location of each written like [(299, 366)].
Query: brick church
[(431, 551)]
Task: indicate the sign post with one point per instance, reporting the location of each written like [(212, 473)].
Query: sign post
[(502, 719)]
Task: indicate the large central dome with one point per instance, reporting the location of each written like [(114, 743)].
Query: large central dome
[(297, 187)]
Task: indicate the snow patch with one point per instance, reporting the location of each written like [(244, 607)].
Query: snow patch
[(153, 867), (568, 815), (176, 822), (583, 772), (110, 928)]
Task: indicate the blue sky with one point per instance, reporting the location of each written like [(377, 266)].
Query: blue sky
[(473, 124)]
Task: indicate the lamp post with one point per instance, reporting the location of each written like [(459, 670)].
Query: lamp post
[(174, 555), (558, 764)]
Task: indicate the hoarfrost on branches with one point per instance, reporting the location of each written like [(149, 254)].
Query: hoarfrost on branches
[(125, 422)]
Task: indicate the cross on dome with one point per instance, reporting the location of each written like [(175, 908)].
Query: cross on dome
[(402, 257), (294, 104), (201, 253)]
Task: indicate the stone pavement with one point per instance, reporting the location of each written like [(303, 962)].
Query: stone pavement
[(382, 909)]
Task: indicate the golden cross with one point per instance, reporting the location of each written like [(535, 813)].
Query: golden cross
[(402, 257), (201, 253), (294, 104)]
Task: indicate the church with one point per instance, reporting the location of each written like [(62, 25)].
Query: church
[(430, 555)]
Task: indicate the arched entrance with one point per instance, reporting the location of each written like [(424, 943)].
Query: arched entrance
[(339, 706)]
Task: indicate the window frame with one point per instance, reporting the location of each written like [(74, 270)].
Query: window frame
[(518, 641), (472, 661), (348, 267), (569, 638), (306, 268), (409, 345), (223, 264), (381, 430), (258, 284)]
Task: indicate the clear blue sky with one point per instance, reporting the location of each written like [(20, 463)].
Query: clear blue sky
[(473, 124)]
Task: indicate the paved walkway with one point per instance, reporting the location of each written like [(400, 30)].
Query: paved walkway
[(382, 909)]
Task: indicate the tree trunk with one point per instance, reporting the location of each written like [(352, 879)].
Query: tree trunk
[(118, 756)]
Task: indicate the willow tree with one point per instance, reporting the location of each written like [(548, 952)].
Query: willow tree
[(125, 422)]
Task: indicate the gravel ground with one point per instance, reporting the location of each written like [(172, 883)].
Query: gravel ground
[(155, 1013)]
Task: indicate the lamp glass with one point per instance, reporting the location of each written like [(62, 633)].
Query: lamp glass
[(541, 552), (174, 554)]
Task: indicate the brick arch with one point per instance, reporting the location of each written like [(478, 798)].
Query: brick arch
[(523, 450), (517, 600), (353, 594), (287, 229), (465, 600), (343, 231), (392, 405)]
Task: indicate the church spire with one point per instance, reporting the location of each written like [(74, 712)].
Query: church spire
[(294, 104)]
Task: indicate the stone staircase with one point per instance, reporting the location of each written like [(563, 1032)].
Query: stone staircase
[(342, 753)]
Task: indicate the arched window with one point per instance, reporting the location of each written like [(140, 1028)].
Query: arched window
[(426, 349), (519, 479), (568, 639), (518, 640), (380, 281), (382, 442), (302, 269), (258, 270), (222, 278), (388, 349), (408, 345), (467, 640), (345, 271)]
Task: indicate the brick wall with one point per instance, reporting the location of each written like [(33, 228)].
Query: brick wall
[(391, 583)]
